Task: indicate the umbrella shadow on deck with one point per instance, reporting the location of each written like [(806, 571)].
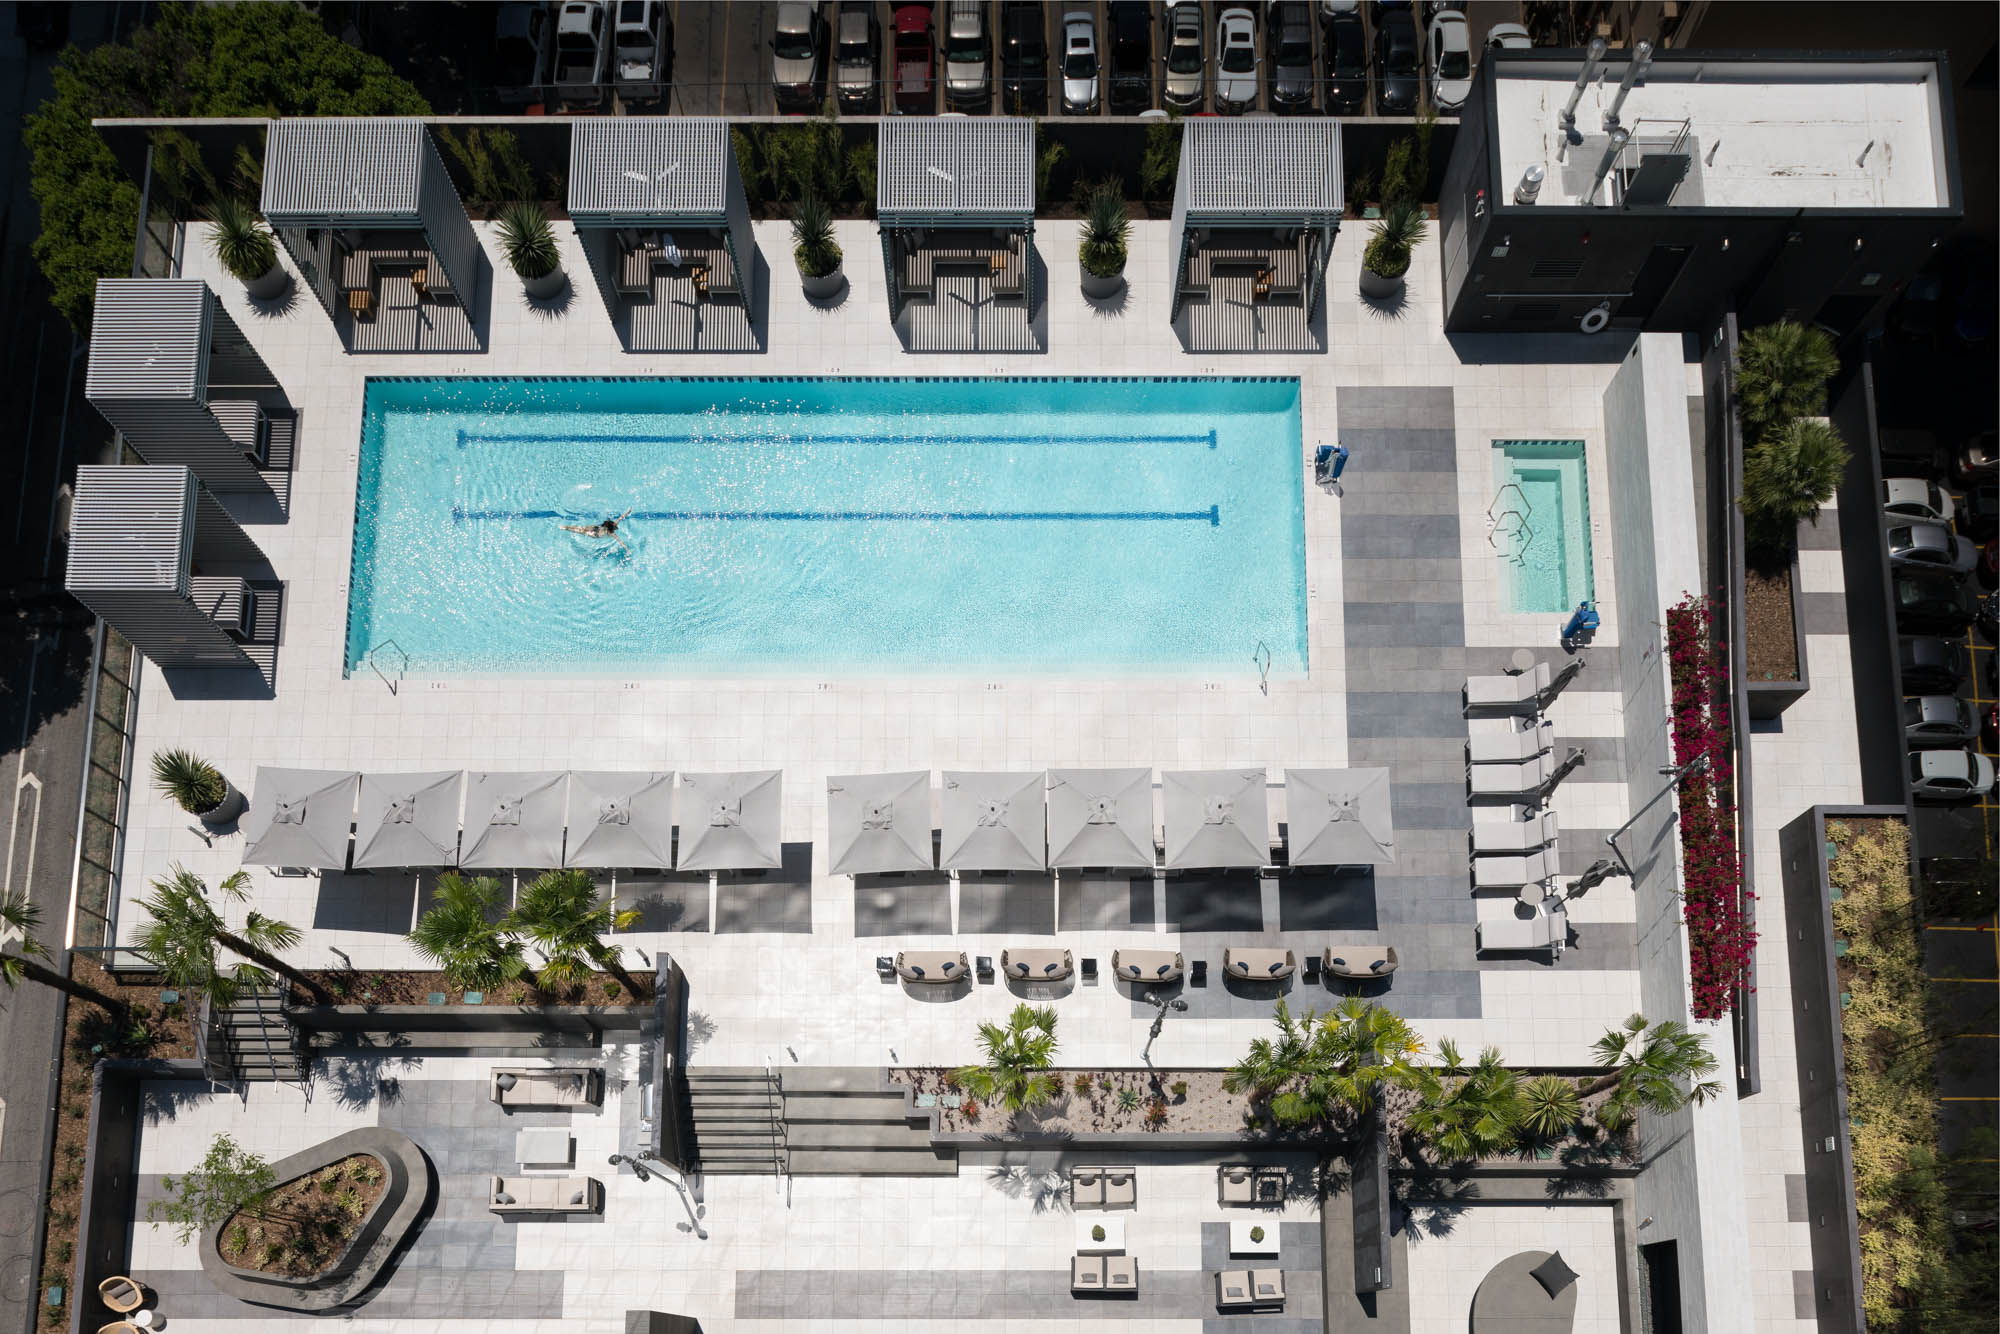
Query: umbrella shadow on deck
[(1327, 898), (1018, 903), (902, 905)]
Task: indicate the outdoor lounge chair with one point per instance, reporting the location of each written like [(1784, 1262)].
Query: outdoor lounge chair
[(1360, 961), (1510, 746), (547, 1087), (1510, 780), (1121, 1273), (1512, 872), (1507, 694), (1259, 965), (121, 1294), (1036, 965), (1235, 1183), (932, 966), (1147, 966), (1121, 1188), (546, 1195), (1086, 1188), (1241, 1288), (1547, 930), (1514, 835), (1086, 1273)]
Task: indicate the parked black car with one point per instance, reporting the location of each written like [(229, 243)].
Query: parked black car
[(1931, 601), (1931, 666), (1288, 36), (1909, 452), (1398, 81), (1131, 57), (1024, 59), (1979, 512), (1346, 44)]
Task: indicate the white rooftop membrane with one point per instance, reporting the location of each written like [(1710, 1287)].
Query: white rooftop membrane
[(1763, 135)]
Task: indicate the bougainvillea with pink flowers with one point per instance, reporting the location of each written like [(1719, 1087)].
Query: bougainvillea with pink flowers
[(1714, 897)]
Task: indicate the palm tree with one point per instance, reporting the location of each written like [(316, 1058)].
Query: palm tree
[(1646, 1067), (461, 934), (17, 914), (1322, 1066), (1549, 1105), (1466, 1111), (1782, 371), (1786, 478), (560, 914), (186, 931), (1016, 1056)]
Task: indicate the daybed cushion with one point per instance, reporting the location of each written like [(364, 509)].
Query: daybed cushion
[(1086, 1188), (1553, 1274), (1121, 1188), (1121, 1273), (1235, 1184), (1086, 1273)]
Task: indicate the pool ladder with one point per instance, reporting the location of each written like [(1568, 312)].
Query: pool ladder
[(402, 663), (1507, 527)]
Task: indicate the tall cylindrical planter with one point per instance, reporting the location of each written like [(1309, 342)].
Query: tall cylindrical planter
[(826, 286), (546, 286), (232, 805), (274, 283), (1377, 288), (1099, 289)]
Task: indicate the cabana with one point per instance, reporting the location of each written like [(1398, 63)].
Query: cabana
[(1338, 817), (660, 210), (955, 198), (879, 823), (1256, 207), (994, 821), (514, 821), (1216, 819), (408, 820), (367, 210), (300, 817), (172, 372), (620, 820), (732, 822), (159, 559), (1101, 819)]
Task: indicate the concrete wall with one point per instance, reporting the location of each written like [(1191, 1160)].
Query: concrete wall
[(1691, 1186)]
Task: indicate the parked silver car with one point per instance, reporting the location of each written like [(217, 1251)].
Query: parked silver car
[(1079, 63), (1186, 60), (1939, 720), (1931, 546)]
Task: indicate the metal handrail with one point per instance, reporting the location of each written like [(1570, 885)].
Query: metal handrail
[(775, 1087), (369, 658)]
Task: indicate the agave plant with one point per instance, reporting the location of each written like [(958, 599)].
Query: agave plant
[(244, 248), (1400, 231), (1106, 227), (813, 246), (527, 240), (1549, 1105), (193, 783)]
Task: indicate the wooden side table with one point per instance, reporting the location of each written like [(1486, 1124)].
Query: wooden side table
[(420, 282), (361, 303)]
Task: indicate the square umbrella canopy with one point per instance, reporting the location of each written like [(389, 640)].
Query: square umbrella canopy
[(1339, 817), (994, 821), (732, 822), (1101, 817), (879, 822), (620, 819), (300, 817), (408, 819), (1216, 818), (514, 820)]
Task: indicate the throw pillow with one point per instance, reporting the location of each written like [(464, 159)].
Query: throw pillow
[(503, 1198), (1553, 1275), (577, 1198), (504, 1082)]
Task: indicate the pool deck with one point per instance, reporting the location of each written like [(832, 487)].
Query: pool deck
[(1405, 598)]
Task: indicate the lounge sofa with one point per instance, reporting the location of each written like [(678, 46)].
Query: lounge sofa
[(1103, 1188), (1036, 965), (547, 1087), (1241, 1185), (1144, 967), (932, 966), (546, 1195), (1360, 961), (1239, 1289), (1259, 965)]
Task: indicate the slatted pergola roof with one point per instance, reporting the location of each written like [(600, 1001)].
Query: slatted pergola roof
[(636, 170), (346, 170), (149, 339), (934, 168), (131, 529), (1262, 168)]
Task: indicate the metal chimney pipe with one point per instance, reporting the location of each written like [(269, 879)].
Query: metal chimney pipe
[(1598, 47), (1531, 184), (1612, 149), (1635, 69)]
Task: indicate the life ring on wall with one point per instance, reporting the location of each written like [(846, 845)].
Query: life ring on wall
[(1597, 319)]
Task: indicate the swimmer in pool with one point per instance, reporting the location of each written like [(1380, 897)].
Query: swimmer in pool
[(609, 528)]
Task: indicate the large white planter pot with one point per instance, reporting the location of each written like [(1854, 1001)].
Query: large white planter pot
[(226, 811), (1377, 288), (1101, 289), (273, 284), (546, 286), (825, 287)]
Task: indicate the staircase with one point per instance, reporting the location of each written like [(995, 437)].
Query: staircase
[(250, 1040), (816, 1121)]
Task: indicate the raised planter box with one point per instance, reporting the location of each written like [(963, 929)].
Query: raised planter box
[(407, 1192), (1768, 698), (467, 1028)]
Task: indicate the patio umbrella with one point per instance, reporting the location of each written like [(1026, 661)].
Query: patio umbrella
[(732, 822), (514, 820), (1216, 818), (299, 817), (1101, 817), (620, 819), (879, 822), (408, 819), (994, 822), (1339, 817)]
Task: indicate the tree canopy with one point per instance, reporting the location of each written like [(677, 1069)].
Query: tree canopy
[(259, 59)]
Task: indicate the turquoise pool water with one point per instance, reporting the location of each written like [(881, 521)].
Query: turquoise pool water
[(1542, 523), (806, 525)]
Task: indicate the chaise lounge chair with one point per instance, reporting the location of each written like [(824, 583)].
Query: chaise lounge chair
[(1507, 694), (1512, 872), (1548, 930), (1510, 780), (1510, 746), (1515, 835)]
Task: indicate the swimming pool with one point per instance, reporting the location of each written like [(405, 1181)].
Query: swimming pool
[(808, 524), (1541, 516)]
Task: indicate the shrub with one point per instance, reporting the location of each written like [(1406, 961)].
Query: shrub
[(1787, 476), (1713, 896), (1049, 155), (1081, 1084), (1392, 240), (1156, 1113), (1395, 179), (1160, 163), (1106, 227), (969, 1109), (1180, 1088), (813, 246), (1097, 1232), (191, 783), (527, 240), (1782, 371), (1256, 1234), (244, 249)]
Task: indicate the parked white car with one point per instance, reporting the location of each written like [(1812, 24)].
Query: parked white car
[(1916, 498), (1949, 775), (1450, 61), (1236, 61), (1508, 37), (1931, 546)]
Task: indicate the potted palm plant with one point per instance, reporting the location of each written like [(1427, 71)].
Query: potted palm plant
[(247, 250), (529, 244), (1101, 252), (1387, 257), (196, 786), (813, 246)]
